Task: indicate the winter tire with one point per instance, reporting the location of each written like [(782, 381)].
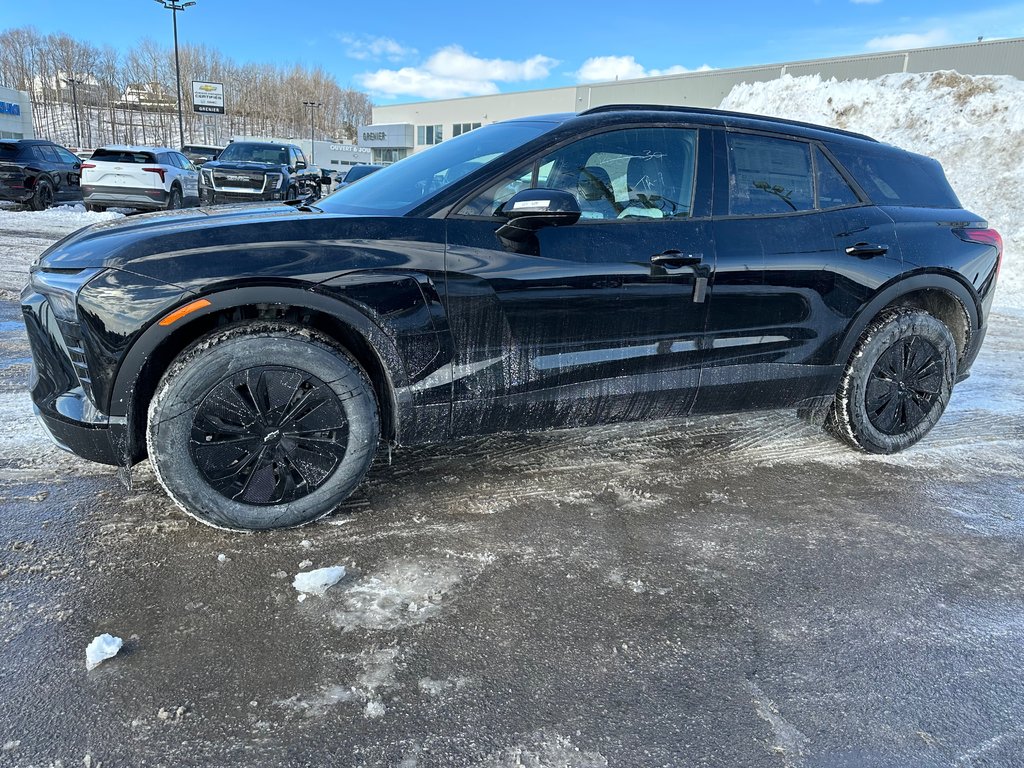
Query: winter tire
[(43, 196), (174, 200), (897, 383), (262, 426), (95, 208)]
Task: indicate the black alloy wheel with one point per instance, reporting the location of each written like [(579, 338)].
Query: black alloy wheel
[(261, 426), (43, 197), (897, 382), (904, 386), (268, 435)]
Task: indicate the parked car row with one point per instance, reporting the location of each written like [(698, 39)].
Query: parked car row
[(39, 173)]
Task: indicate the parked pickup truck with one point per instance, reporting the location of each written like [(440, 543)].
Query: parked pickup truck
[(249, 171)]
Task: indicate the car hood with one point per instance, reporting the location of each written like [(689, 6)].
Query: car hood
[(124, 241)]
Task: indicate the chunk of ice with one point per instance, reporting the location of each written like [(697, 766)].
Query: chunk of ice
[(102, 647), (319, 581)]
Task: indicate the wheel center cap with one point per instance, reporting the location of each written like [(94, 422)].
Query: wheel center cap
[(271, 437)]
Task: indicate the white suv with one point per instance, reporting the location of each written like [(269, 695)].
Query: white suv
[(149, 178)]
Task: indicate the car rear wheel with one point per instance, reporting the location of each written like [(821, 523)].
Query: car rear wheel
[(897, 383), (174, 200), (262, 426), (43, 196)]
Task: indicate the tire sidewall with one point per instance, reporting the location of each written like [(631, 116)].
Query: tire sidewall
[(900, 327), (198, 370), (175, 197)]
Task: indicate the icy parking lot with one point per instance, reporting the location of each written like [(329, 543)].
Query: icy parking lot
[(737, 590)]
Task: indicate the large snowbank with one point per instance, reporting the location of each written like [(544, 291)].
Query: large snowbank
[(973, 125)]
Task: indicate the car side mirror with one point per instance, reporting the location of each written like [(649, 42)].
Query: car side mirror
[(299, 165), (533, 209)]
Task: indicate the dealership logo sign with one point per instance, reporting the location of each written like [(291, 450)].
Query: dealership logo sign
[(208, 97), (374, 135), (7, 108)]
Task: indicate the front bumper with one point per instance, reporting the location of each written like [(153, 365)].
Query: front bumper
[(60, 386), (125, 197), (208, 196)]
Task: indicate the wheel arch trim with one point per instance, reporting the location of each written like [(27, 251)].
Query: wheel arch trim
[(921, 280), (156, 336)]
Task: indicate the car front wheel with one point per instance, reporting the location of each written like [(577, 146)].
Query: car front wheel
[(262, 426), (897, 383)]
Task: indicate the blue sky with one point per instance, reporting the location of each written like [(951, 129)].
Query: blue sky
[(409, 51)]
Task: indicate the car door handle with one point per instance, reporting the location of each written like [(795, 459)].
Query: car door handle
[(864, 250), (674, 258)]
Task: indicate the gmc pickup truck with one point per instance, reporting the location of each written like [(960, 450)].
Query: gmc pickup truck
[(250, 171)]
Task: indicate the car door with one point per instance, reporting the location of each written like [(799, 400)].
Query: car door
[(189, 178), (55, 170), (782, 297), (72, 171), (596, 322)]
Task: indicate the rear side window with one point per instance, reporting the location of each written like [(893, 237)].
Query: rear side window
[(833, 191), (49, 153), (897, 178), (769, 175)]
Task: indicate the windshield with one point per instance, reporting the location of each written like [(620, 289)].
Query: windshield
[(397, 189), (271, 154)]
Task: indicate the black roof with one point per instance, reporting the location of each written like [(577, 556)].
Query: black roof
[(725, 117)]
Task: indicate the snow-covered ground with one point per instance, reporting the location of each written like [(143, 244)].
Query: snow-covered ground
[(973, 125)]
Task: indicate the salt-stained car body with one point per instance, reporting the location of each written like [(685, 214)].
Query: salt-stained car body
[(626, 263)]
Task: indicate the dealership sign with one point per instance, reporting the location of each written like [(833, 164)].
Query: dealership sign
[(208, 97), (7, 108)]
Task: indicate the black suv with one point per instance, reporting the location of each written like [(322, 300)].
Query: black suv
[(626, 263), (38, 173), (251, 171)]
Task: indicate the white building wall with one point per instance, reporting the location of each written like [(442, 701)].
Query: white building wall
[(15, 125)]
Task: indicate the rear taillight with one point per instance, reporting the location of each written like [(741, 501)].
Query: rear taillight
[(160, 171), (88, 165), (984, 237)]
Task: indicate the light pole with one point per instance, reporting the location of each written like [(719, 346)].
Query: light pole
[(73, 82), (174, 6), (313, 105)]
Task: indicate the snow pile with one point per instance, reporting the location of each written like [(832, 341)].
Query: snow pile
[(102, 647), (24, 235), (973, 125), (319, 581)]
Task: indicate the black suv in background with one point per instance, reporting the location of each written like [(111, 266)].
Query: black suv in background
[(250, 171), (199, 154), (39, 173), (626, 263)]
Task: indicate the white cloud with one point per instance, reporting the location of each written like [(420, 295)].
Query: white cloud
[(452, 72), (938, 36), (603, 68), (363, 47)]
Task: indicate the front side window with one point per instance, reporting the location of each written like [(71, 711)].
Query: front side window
[(636, 173), (66, 156), (768, 175), (399, 188)]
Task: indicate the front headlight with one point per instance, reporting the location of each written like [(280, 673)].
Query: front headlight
[(61, 287), (274, 180), (207, 177)]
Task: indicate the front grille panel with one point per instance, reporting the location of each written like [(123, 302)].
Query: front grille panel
[(240, 180)]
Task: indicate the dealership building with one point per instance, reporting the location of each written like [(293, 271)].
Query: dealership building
[(15, 115), (400, 130)]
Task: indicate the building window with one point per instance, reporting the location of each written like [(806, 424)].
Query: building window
[(11, 135), (429, 134), (460, 128), (383, 156)]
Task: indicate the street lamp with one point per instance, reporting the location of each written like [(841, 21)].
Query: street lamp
[(313, 105), (174, 6), (74, 98)]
